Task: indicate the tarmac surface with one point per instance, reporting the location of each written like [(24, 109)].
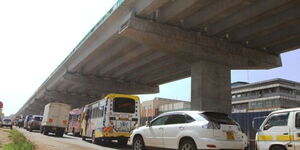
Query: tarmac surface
[(52, 142)]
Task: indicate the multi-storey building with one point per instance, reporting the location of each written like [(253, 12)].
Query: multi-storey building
[(151, 108), (266, 95), (178, 106)]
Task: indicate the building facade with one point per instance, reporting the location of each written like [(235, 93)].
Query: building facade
[(266, 95), (178, 106), (152, 108)]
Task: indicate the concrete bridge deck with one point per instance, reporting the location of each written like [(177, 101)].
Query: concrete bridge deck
[(141, 44)]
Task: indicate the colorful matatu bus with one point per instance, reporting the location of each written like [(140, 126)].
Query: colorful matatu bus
[(111, 118)]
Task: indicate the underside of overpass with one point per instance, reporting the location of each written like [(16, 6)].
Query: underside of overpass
[(141, 44)]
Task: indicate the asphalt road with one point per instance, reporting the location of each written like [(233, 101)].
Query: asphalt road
[(51, 142)]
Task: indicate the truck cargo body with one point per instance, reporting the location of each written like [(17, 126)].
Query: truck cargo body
[(55, 118)]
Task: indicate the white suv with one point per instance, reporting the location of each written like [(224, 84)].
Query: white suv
[(189, 130)]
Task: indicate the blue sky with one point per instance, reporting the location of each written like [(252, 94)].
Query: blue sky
[(36, 36)]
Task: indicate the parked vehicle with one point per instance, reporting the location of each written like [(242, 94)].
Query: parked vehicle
[(280, 131), (27, 118), (20, 123), (189, 130), (35, 123), (74, 122), (55, 118), (111, 118), (7, 123)]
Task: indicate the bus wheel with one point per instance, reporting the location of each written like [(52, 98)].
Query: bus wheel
[(59, 133), (94, 139), (45, 131), (277, 147), (122, 141)]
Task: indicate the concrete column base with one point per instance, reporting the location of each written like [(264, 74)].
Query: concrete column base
[(211, 88)]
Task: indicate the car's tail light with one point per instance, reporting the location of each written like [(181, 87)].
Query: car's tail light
[(211, 125), (65, 121), (239, 128), (211, 146), (50, 120)]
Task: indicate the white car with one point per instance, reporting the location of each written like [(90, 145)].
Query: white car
[(6, 123), (189, 130)]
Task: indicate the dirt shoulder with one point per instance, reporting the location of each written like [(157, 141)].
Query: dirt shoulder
[(4, 137)]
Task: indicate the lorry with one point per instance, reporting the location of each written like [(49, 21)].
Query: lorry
[(55, 119)]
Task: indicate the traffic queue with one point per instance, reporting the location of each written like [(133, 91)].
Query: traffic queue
[(116, 117)]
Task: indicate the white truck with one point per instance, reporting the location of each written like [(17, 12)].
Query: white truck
[(55, 118)]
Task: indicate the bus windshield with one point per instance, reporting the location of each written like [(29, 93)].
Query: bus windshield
[(124, 105)]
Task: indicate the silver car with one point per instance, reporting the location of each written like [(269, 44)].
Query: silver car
[(35, 122), (7, 123)]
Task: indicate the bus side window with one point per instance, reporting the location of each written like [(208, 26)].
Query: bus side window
[(101, 110), (297, 120)]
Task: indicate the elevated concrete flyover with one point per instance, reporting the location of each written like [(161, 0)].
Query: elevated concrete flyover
[(141, 44)]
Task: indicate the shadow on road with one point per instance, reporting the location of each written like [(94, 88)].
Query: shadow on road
[(53, 135), (114, 145)]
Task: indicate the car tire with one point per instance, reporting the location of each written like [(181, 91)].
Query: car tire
[(277, 147), (45, 131), (59, 133), (138, 143), (187, 145)]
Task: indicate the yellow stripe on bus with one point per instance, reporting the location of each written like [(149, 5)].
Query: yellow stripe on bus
[(114, 134), (284, 138), (278, 138), (265, 138)]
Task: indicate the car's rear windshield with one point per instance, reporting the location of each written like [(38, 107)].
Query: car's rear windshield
[(38, 118), (219, 118), (124, 105), (6, 120)]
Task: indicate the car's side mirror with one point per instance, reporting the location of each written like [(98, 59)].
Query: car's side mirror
[(147, 124), (267, 126)]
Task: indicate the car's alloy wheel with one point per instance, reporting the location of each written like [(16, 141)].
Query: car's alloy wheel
[(187, 145), (138, 144)]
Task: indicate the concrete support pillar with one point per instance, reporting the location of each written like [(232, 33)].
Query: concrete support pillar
[(211, 88)]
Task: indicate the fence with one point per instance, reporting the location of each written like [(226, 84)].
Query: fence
[(245, 121)]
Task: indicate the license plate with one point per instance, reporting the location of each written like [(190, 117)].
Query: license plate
[(230, 136)]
